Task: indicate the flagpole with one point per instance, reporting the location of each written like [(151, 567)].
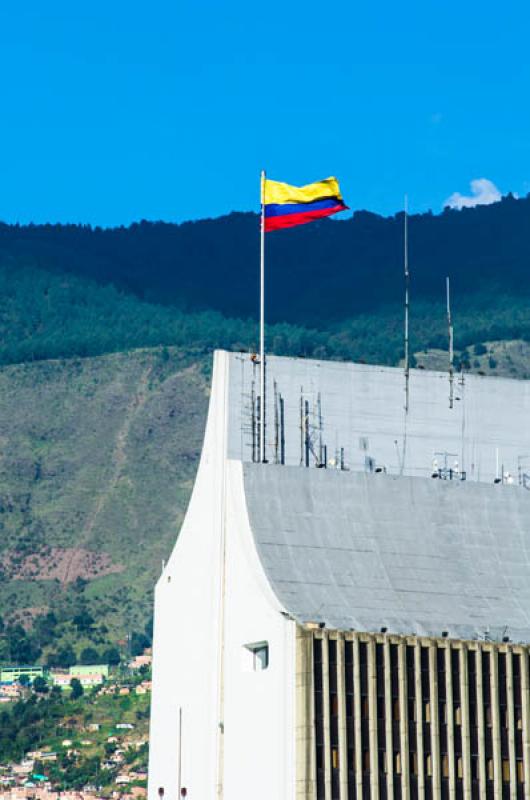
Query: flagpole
[(262, 327), (407, 280)]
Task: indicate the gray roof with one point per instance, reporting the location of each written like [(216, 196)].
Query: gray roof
[(396, 550), (413, 555)]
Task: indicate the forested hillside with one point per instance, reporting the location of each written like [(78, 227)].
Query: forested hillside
[(317, 274), (105, 351)]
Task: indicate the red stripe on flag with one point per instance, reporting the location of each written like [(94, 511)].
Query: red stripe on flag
[(291, 220)]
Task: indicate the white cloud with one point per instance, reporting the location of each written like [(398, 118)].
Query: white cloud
[(483, 193)]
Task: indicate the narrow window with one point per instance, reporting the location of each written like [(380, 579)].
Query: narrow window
[(259, 655), (506, 770), (427, 714), (445, 766)]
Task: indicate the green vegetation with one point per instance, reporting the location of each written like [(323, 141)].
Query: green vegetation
[(95, 477), (317, 274), (45, 315)]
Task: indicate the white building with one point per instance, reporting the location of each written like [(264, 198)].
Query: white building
[(357, 629)]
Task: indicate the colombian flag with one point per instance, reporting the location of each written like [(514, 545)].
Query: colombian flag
[(286, 206)]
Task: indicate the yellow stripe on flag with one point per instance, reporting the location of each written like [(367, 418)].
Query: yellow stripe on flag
[(279, 193)]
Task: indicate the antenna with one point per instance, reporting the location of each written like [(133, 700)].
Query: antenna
[(407, 282), (450, 335), (462, 384), (320, 429), (253, 420), (282, 431), (307, 442), (276, 424), (301, 426), (258, 428)]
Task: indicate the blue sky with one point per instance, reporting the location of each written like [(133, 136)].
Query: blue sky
[(117, 111)]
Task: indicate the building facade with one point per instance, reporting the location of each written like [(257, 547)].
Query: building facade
[(12, 674), (350, 619), (409, 717)]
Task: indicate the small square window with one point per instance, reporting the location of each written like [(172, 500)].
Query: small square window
[(259, 652)]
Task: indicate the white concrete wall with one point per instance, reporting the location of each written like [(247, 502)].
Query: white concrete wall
[(259, 710), (185, 646), (213, 598)]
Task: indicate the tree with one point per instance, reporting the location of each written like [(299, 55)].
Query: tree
[(40, 685), (139, 642), (84, 621), (77, 688), (90, 656), (110, 748), (111, 656), (24, 680), (44, 628), (22, 650), (65, 658)]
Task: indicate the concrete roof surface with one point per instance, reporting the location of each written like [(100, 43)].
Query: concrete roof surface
[(414, 555)]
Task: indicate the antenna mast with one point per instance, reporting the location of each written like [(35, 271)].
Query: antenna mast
[(407, 282), (451, 354)]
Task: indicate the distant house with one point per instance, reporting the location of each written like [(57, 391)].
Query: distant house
[(9, 690), (80, 670), (61, 679), (125, 726), (48, 757), (12, 674), (141, 661), (90, 679), (86, 679), (24, 768)]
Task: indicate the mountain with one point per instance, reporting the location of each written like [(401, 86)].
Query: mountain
[(316, 275), (105, 351)]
